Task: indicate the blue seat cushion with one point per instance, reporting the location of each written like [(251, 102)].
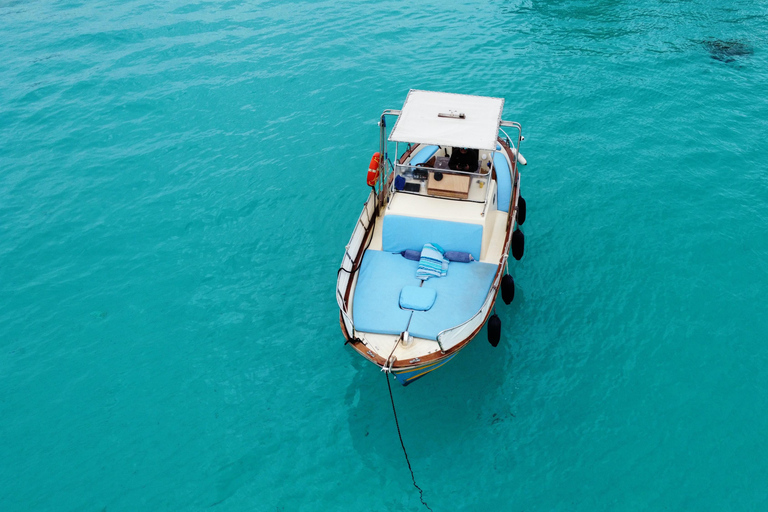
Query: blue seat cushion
[(460, 295), (423, 155), (400, 233), (503, 180), (417, 298), (376, 305)]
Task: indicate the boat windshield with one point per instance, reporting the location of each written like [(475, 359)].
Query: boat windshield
[(425, 170)]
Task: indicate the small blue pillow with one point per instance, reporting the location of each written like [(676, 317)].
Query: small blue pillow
[(412, 255), (399, 182), (463, 257), (417, 298)]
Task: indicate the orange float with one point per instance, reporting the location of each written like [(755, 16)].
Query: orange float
[(373, 169)]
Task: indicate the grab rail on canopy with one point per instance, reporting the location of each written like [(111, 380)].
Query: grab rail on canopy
[(514, 147)]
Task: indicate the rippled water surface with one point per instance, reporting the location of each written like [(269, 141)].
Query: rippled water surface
[(177, 184)]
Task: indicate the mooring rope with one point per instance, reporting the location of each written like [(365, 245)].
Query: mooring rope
[(421, 493)]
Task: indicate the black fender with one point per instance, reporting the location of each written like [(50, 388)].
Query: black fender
[(520, 211), (507, 289), (494, 330), (518, 244)]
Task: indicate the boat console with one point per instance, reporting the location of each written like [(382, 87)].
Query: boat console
[(432, 177)]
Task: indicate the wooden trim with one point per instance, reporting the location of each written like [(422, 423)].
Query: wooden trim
[(407, 154)]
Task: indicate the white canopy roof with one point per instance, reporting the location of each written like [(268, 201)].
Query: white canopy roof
[(447, 119)]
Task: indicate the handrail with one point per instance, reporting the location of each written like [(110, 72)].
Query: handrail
[(509, 139), (511, 124), (444, 171), (351, 253), (514, 148)]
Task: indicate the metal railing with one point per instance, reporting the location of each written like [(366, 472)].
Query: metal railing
[(348, 270)]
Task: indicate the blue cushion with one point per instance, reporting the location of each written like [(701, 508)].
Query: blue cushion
[(376, 305), (400, 233), (414, 297), (423, 155), (463, 257), (411, 255), (503, 180), (460, 295)]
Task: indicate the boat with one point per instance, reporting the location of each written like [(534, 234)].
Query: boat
[(429, 252)]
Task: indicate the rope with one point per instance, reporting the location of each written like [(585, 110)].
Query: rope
[(384, 368), (421, 493)]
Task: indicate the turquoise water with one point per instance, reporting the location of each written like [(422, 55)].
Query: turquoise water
[(178, 181)]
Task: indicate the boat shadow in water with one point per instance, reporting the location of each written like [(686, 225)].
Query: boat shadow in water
[(727, 50), (435, 414)]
